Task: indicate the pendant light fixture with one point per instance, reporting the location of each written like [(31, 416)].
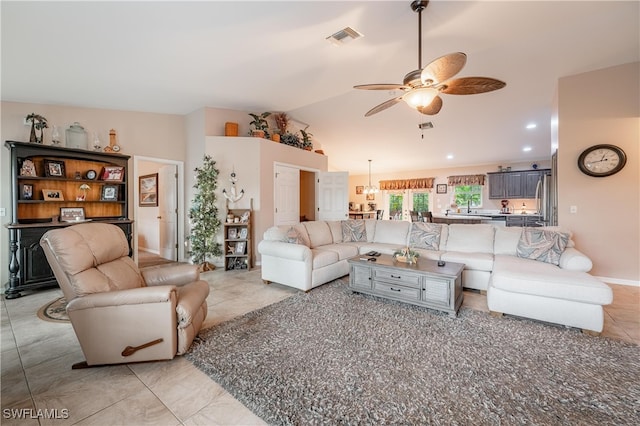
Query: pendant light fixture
[(370, 189)]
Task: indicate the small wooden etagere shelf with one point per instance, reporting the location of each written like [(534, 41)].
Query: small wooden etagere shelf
[(238, 239)]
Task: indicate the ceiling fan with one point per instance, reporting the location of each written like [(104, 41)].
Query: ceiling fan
[(423, 86)]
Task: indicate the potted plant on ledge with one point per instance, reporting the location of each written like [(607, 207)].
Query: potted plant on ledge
[(306, 140), (260, 125)]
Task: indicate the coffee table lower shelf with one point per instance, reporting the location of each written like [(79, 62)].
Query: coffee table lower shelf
[(423, 283)]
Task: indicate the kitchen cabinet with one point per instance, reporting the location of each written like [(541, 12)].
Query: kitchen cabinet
[(88, 182), (518, 184), (529, 221)]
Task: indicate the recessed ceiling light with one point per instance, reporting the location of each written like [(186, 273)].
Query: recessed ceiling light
[(531, 126), (450, 157), (526, 149)]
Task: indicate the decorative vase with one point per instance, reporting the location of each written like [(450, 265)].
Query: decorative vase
[(257, 133), (275, 137)]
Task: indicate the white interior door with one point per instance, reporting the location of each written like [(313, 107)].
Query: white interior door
[(332, 195), (168, 211), (287, 195)]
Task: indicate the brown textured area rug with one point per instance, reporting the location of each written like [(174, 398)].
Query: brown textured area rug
[(54, 311), (333, 357)]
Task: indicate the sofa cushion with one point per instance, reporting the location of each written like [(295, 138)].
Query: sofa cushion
[(336, 230), (322, 258), (506, 240), (428, 254), (370, 224), (344, 251), (354, 230), (527, 276), (297, 234), (574, 260), (474, 261), (477, 238), (276, 233), (392, 232), (542, 245), (425, 235), (319, 233)]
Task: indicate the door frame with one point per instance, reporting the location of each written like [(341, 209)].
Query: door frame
[(293, 166), (180, 204)]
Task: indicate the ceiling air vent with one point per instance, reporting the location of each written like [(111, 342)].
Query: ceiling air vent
[(425, 125), (344, 36)]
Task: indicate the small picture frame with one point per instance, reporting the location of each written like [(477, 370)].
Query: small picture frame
[(112, 173), (233, 233), (371, 197), (148, 190), (72, 214), (109, 193), (240, 246), (359, 189), (28, 168), (245, 217), (243, 234), (54, 168), (441, 188), (26, 191), (52, 195)]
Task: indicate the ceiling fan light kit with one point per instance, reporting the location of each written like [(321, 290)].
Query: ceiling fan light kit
[(422, 87)]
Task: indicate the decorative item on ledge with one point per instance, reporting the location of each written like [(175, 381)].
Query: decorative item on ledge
[(38, 122), (260, 125), (406, 255)]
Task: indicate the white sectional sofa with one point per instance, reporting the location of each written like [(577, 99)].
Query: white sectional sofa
[(556, 288)]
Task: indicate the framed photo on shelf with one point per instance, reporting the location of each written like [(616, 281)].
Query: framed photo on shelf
[(71, 214), (371, 197), (28, 168), (113, 173), (243, 233), (109, 193), (148, 185), (53, 168), (26, 191), (245, 217), (52, 195), (240, 246), (441, 188), (233, 233), (359, 189)]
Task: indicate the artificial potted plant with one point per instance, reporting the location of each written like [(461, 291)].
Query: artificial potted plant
[(306, 140), (260, 125)]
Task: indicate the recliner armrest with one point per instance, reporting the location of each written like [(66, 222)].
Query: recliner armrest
[(170, 275), (135, 296)]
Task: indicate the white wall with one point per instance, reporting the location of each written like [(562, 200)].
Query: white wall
[(147, 216), (594, 108)]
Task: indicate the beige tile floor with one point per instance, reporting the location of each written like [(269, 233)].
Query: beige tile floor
[(37, 356)]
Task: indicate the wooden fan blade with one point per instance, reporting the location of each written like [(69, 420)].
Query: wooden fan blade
[(383, 106), (433, 108), (381, 87), (471, 85), (443, 68)]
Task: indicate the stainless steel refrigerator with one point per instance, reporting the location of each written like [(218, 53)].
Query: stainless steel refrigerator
[(547, 195)]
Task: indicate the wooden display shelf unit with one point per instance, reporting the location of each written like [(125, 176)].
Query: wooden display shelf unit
[(33, 214), (238, 241)]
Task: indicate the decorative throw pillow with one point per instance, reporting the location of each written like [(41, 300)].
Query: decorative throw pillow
[(425, 235), (354, 230), (542, 245)]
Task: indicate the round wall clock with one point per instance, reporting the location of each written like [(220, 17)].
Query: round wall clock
[(91, 174), (602, 160)]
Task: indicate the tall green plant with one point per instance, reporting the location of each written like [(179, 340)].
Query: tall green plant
[(203, 216)]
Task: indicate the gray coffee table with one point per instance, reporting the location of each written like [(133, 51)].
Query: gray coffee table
[(423, 283)]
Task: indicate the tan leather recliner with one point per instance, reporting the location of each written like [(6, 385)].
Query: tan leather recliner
[(121, 314)]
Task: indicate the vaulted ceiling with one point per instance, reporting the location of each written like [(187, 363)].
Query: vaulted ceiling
[(177, 57)]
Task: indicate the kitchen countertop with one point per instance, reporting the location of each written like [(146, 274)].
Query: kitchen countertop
[(485, 216)]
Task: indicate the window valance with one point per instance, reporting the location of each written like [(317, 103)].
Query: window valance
[(399, 184), (466, 180)]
